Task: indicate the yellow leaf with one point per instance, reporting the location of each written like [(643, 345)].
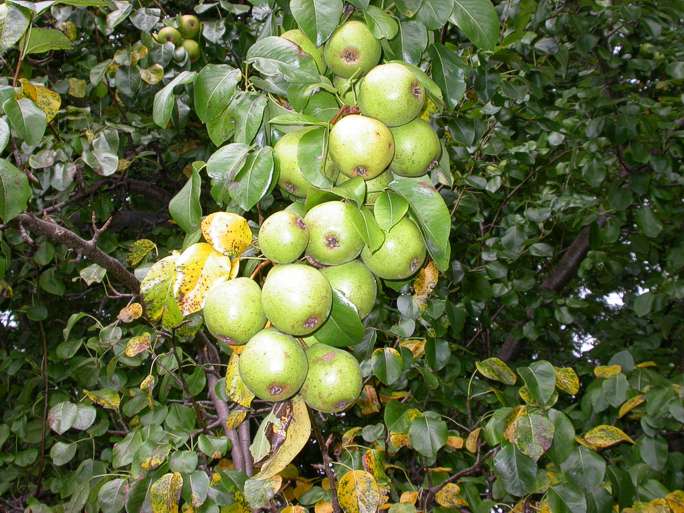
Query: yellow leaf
[(294, 509), (138, 53), (236, 390), (544, 507), (323, 507), (676, 501), (197, 269), (152, 75), (567, 380), (630, 404), (165, 493), (138, 344), (349, 436), (130, 313), (302, 486), (298, 432), (450, 496), (107, 398), (654, 506), (156, 290), (147, 383), (368, 401), (373, 462), (607, 371), (77, 87), (46, 99), (471, 442), (440, 470), (399, 440), (429, 109), (424, 284), (235, 418), (408, 497), (415, 345), (227, 233), (139, 250), (455, 442), (645, 365), (70, 30), (358, 492), (497, 370), (604, 436), (396, 395)]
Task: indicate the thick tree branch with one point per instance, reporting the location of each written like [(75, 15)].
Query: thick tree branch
[(60, 235)]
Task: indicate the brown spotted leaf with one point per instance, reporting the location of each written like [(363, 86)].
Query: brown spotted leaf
[(130, 313), (228, 233), (424, 284), (604, 436), (676, 501), (368, 401), (165, 493), (450, 496), (107, 398), (358, 492), (47, 100), (497, 370), (236, 390), (415, 345), (533, 435), (138, 344), (139, 250), (567, 380), (157, 294), (630, 404), (607, 371), (471, 442)]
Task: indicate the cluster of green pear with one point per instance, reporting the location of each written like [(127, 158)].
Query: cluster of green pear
[(184, 38)]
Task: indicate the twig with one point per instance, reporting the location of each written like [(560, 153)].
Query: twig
[(43, 432), (258, 269), (97, 232), (327, 463), (245, 440)]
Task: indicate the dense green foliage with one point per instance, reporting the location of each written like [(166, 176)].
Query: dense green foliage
[(535, 363)]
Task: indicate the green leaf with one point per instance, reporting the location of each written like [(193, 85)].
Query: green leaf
[(248, 111), (259, 492), (389, 209), (353, 189), (387, 365), (43, 40), (279, 58), (13, 24), (214, 89), (648, 223), (367, 228), (563, 437), (343, 328), (312, 149), (448, 72), (317, 18), (261, 445), (428, 434), (185, 207), (643, 304), (124, 451), (517, 472), (410, 42), (478, 21), (62, 453), (432, 214), (533, 435), (295, 118), (584, 467), (497, 370), (199, 487), (4, 133), (85, 416), (434, 14), (112, 495), (103, 156), (566, 498), (162, 107), (255, 178), (28, 122), (381, 24), (540, 379), (226, 162), (62, 417), (15, 191), (654, 451), (183, 461), (212, 445)]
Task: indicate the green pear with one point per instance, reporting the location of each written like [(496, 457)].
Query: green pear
[(299, 38), (391, 93), (416, 148), (290, 177), (332, 237), (356, 282), (233, 311), (361, 146), (334, 381), (169, 35), (401, 255), (283, 237), (193, 48), (189, 26), (296, 298), (352, 49), (273, 365)]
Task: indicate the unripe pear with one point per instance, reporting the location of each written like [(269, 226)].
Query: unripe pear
[(283, 237), (233, 311), (416, 148), (352, 48), (290, 177), (333, 382), (391, 93), (193, 48), (299, 38), (356, 282), (189, 26), (361, 146), (401, 255), (273, 365), (332, 237), (169, 35), (296, 298)]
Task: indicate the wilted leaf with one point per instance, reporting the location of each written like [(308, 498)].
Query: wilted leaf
[(408, 497), (676, 501), (236, 390), (165, 493), (497, 370), (567, 380), (350, 435), (197, 268), (450, 496), (455, 442), (358, 492), (107, 398), (227, 233), (130, 313), (368, 401), (607, 371), (604, 436), (138, 344), (47, 100), (415, 345), (471, 443), (424, 284), (152, 75), (157, 293), (235, 418), (630, 404)]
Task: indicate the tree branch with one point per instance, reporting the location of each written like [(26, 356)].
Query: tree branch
[(245, 440), (59, 234), (327, 462)]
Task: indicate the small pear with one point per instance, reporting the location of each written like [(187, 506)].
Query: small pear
[(233, 311), (401, 255), (352, 49), (189, 26), (416, 148), (290, 177), (332, 237), (169, 35), (361, 146), (283, 237), (334, 381), (391, 93)]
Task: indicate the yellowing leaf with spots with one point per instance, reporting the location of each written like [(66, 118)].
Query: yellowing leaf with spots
[(235, 418), (630, 404), (471, 442), (197, 269), (676, 501), (294, 509), (455, 442), (408, 497), (646, 365), (424, 284), (227, 233), (47, 100), (165, 493), (323, 507), (450, 496), (399, 440), (130, 313), (397, 395), (349, 435), (137, 345), (604, 436), (497, 370), (139, 250), (107, 398), (236, 390), (607, 371), (147, 383), (415, 345), (157, 294), (567, 380), (77, 87), (368, 401), (358, 492)]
